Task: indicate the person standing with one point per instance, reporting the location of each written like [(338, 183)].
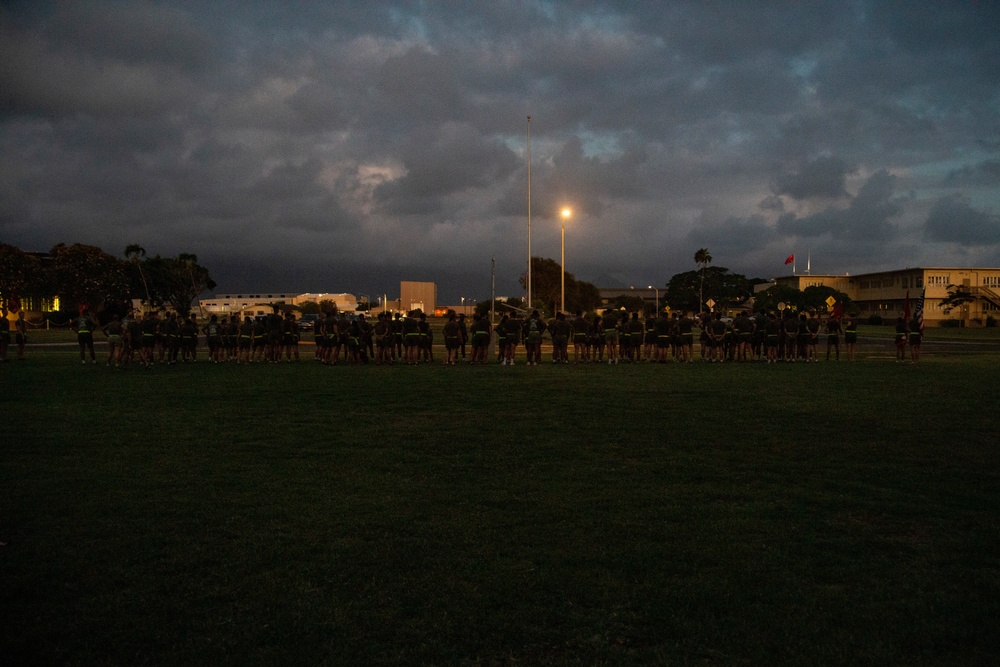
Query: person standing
[(512, 336), (813, 326), (463, 334), (501, 331), (832, 337), (851, 336), (533, 330), (915, 339), (610, 330), (772, 335), (452, 340), (791, 328), (113, 330), (685, 329), (581, 332), (411, 339), (900, 340), (560, 331), (4, 333), (20, 334), (84, 328), (245, 345), (481, 330)]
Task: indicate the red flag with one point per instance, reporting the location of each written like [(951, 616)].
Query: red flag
[(838, 311), (906, 308), (791, 258)]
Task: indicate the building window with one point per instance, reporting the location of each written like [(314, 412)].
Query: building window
[(919, 282)]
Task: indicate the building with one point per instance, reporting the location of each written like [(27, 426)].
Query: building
[(885, 293), (414, 295), (651, 295), (224, 304)]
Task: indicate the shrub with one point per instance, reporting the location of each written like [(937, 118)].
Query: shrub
[(951, 324), (875, 320), (991, 321)]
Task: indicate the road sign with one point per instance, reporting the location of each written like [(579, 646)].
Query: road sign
[(781, 305), (830, 301), (710, 303)]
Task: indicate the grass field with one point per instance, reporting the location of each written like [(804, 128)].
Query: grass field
[(635, 514)]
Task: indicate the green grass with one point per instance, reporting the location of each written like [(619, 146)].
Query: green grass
[(700, 514)]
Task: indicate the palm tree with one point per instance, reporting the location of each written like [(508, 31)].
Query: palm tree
[(703, 258)]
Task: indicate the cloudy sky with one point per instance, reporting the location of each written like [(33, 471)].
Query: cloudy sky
[(344, 146)]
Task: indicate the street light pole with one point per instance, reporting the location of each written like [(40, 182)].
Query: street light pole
[(657, 299), (565, 216)]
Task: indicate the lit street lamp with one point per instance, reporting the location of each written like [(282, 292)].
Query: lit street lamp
[(657, 299), (566, 213)]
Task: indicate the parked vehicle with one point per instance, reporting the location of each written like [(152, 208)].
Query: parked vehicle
[(307, 322)]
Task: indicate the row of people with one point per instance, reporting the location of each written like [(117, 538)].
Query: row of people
[(613, 337), (173, 338)]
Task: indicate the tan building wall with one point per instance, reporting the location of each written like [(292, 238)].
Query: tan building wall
[(413, 295), (235, 303), (884, 293)]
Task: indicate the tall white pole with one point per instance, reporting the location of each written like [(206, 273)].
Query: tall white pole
[(529, 214), (562, 267), (562, 302)]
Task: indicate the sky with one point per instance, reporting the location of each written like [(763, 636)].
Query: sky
[(345, 146)]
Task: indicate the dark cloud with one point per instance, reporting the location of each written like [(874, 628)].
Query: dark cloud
[(867, 219), (440, 163), (953, 220), (772, 203), (261, 133), (820, 178), (984, 173)]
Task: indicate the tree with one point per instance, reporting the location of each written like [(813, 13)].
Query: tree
[(546, 287), (87, 276), (328, 307), (958, 297), (177, 280), (703, 258), (135, 254), (815, 296), (19, 273), (483, 307), (630, 302), (769, 299), (309, 308), (729, 290)]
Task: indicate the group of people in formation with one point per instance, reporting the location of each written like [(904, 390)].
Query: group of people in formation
[(618, 337), (613, 337), (168, 339)]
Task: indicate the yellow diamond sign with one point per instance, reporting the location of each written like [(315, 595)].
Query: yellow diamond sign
[(830, 301)]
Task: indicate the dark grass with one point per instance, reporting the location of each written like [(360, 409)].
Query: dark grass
[(701, 514)]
